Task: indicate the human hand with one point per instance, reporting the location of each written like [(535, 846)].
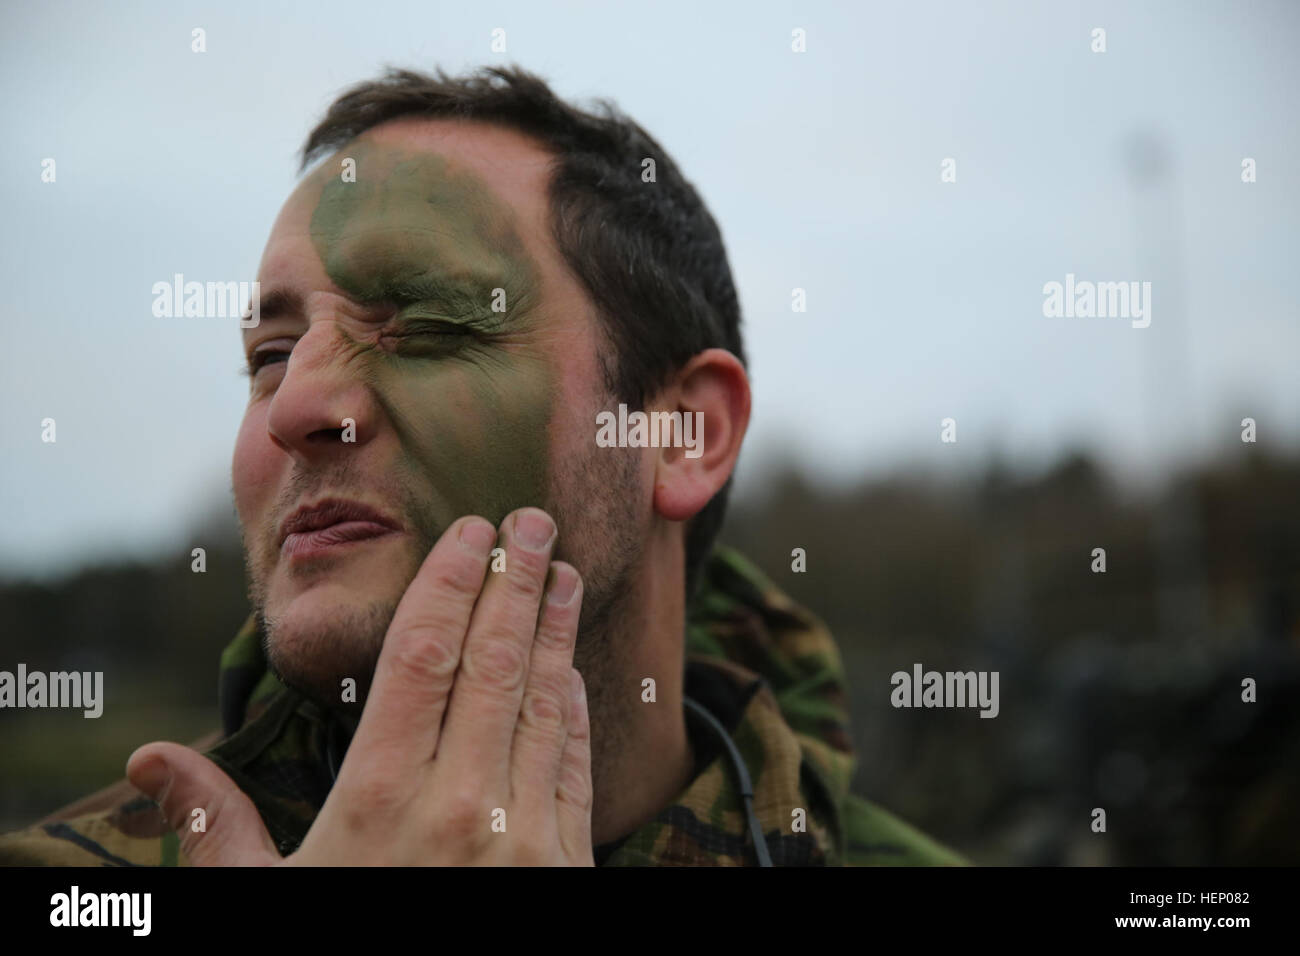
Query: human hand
[(474, 744)]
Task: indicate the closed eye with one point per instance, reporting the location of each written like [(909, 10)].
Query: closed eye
[(435, 333), (263, 356)]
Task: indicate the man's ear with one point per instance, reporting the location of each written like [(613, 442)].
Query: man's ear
[(714, 385)]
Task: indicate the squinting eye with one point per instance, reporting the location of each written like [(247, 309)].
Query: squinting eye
[(430, 338), (430, 327), (264, 357)]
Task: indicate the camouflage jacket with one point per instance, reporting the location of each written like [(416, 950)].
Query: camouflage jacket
[(765, 668)]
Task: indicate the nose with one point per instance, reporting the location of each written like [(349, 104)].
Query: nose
[(322, 409)]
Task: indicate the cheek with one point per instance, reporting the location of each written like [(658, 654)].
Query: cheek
[(477, 434), (253, 464)]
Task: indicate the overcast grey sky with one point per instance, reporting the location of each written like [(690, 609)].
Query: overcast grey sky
[(823, 169)]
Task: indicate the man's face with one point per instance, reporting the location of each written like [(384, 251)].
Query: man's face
[(423, 351)]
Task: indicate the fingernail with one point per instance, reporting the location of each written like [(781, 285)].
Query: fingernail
[(564, 582), (579, 689), (478, 536), (152, 776), (533, 530)]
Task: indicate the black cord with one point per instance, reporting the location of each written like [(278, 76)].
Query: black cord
[(746, 788), (335, 746), (742, 772)]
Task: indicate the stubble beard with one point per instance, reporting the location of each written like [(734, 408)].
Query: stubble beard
[(595, 503), (342, 641)]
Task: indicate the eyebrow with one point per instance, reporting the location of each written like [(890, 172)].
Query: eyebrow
[(469, 294), (280, 304)]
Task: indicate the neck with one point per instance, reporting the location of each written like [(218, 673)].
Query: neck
[(640, 753)]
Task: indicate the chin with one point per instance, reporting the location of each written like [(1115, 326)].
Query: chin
[(323, 638)]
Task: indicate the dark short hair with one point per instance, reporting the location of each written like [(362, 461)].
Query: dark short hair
[(649, 254)]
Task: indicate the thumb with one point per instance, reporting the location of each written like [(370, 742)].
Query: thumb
[(229, 831)]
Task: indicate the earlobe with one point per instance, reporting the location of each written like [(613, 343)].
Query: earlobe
[(711, 393), (682, 495)]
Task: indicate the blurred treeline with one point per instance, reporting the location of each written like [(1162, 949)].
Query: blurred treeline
[(1120, 690)]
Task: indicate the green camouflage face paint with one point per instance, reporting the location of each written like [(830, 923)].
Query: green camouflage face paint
[(465, 385)]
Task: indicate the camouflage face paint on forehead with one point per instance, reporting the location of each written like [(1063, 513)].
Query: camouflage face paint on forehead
[(467, 389), (410, 220)]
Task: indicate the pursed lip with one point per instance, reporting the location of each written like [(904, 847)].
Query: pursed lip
[(362, 519)]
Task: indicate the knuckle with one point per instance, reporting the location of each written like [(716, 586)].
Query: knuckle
[(555, 633), (580, 733), (545, 709), (573, 785), (463, 811), (426, 654), (579, 727), (526, 576), (495, 662), (459, 574)]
